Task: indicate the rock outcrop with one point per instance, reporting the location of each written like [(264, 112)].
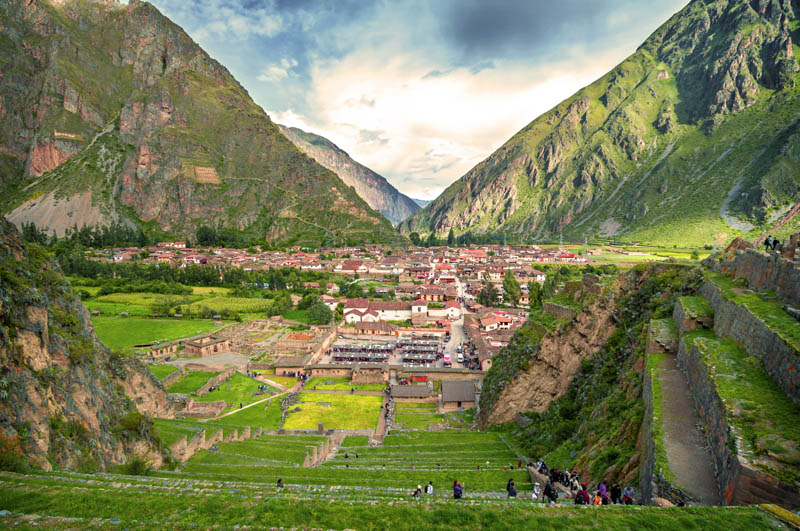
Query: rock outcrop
[(69, 400), (659, 149), (371, 187), (117, 102)]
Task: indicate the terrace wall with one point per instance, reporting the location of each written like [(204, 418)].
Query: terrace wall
[(558, 311), (766, 272), (738, 323), (173, 377), (215, 380), (738, 481)]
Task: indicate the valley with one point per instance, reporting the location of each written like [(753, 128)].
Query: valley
[(211, 320)]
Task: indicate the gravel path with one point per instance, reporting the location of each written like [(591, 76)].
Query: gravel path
[(684, 441)]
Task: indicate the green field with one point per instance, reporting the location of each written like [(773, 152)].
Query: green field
[(266, 415), (301, 316), (162, 371), (340, 384), (351, 412), (191, 382), (141, 503), (239, 390), (417, 421), (288, 381), (125, 332)]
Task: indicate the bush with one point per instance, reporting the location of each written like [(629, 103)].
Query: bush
[(11, 456), (136, 466)]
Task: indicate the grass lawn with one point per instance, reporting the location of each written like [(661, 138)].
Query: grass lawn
[(288, 381), (353, 412), (266, 415), (125, 332), (162, 371), (140, 507), (340, 384), (301, 316), (417, 421), (237, 391), (355, 440), (461, 419), (191, 382)]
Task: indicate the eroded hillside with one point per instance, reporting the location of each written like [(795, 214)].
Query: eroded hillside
[(66, 399)]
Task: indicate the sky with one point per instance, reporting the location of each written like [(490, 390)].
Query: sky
[(419, 91)]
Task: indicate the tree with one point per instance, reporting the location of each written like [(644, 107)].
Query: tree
[(431, 241), (320, 314), (451, 238), (534, 294), (488, 295), (512, 288), (308, 302), (415, 239), (695, 255)]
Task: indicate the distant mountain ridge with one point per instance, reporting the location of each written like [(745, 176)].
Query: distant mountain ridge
[(422, 202), (112, 112), (371, 187), (692, 139)]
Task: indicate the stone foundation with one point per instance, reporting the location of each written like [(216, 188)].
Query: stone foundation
[(766, 272)]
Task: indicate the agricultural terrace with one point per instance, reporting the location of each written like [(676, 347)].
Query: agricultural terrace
[(334, 411), (403, 461), (60, 500)]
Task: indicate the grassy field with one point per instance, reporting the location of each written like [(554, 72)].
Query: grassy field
[(301, 316), (417, 421), (266, 416), (239, 390), (125, 332), (340, 384), (288, 381), (162, 371), (353, 412), (191, 382), (58, 500)]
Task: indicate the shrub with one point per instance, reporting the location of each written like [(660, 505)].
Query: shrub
[(11, 456), (136, 466)]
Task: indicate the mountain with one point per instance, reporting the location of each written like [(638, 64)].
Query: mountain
[(421, 202), (692, 139), (370, 186), (112, 112), (66, 400)]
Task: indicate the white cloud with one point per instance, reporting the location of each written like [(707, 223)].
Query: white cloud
[(275, 73)]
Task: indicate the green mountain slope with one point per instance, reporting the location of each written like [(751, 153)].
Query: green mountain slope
[(112, 112), (692, 139), (370, 186)]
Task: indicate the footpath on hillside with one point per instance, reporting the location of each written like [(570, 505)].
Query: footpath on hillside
[(685, 444)]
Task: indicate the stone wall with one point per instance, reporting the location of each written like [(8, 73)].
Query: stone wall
[(558, 311), (766, 272), (216, 380), (736, 322), (686, 322), (173, 377), (738, 481)]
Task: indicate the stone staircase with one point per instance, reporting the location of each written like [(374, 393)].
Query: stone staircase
[(721, 391)]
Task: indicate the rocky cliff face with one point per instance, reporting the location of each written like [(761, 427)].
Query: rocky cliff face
[(692, 138), (370, 186), (117, 102), (68, 399), (551, 368)]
